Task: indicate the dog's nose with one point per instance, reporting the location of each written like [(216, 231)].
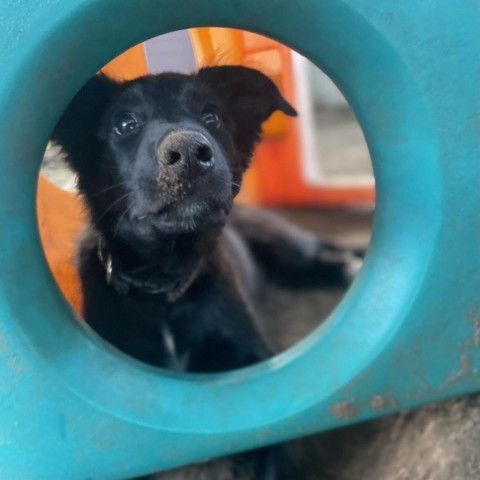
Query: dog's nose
[(187, 146)]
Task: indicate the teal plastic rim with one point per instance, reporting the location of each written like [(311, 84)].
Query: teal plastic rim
[(378, 61)]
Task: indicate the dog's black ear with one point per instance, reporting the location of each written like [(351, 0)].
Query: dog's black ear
[(250, 98), (77, 129)]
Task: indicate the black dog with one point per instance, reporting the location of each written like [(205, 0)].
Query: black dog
[(167, 264)]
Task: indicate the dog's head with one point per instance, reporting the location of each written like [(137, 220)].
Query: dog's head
[(165, 154)]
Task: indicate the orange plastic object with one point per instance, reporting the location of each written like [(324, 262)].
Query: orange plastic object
[(60, 220), (227, 46), (130, 64), (276, 176)]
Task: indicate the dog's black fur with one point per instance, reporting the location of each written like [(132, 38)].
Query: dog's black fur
[(167, 263)]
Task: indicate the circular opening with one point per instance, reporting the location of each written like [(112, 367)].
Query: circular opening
[(290, 249)]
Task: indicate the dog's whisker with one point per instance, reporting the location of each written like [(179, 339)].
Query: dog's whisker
[(141, 268), (116, 202), (111, 187), (122, 216)]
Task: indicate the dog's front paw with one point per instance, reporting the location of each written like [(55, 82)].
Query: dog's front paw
[(352, 266), (343, 262)]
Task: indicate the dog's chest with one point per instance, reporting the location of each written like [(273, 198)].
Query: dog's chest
[(142, 329), (176, 359), (159, 333)]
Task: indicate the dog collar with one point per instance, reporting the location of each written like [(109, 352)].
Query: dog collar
[(126, 284)]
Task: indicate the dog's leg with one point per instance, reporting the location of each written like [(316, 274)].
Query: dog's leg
[(218, 354), (292, 255)]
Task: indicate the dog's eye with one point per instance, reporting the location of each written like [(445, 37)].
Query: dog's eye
[(211, 118), (126, 123)]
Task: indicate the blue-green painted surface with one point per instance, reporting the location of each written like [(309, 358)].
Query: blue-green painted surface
[(407, 333)]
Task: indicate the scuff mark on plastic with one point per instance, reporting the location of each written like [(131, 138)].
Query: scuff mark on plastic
[(345, 410), (382, 401)]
